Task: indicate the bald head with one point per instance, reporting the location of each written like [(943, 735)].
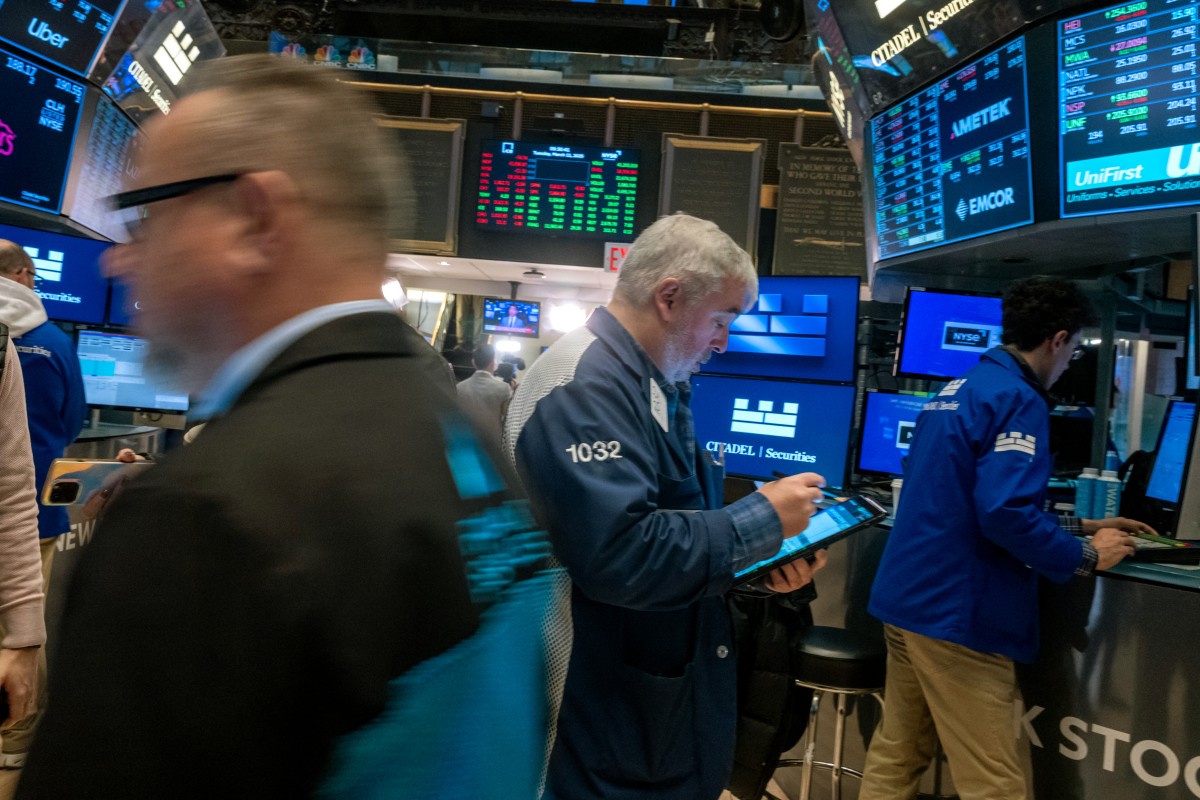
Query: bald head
[(15, 264)]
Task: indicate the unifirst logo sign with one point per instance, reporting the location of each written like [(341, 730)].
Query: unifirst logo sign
[(42, 31)]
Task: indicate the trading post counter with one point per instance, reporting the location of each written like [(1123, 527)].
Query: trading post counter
[(1112, 705)]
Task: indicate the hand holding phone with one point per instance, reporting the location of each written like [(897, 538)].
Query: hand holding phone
[(74, 481)]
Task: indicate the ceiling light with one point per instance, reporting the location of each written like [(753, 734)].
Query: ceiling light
[(535, 274), (566, 317), (508, 346)]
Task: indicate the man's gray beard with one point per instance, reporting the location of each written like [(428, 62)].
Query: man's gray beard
[(167, 366)]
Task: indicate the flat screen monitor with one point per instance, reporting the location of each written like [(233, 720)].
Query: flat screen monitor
[(1172, 454), (1127, 108), (943, 334), (114, 375), (39, 111), (511, 317), (103, 167), (888, 422), (802, 327), (952, 162), (558, 188), (65, 33), (769, 426), (67, 273), (121, 307)]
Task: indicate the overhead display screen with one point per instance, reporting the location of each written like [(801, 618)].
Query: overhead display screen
[(558, 189), (39, 111), (65, 32), (106, 167), (952, 162), (1127, 108)]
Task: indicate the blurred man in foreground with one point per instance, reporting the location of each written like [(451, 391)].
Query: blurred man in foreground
[(287, 605), (602, 436)]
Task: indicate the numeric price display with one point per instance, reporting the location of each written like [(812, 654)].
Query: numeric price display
[(558, 189), (1127, 107), (952, 162)]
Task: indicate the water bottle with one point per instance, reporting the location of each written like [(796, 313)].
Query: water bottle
[(1112, 461), (1085, 491), (1108, 495)]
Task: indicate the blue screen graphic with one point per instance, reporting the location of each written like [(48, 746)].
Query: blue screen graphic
[(69, 280), (1166, 478), (113, 367), (887, 428), (774, 426), (802, 328), (945, 333)]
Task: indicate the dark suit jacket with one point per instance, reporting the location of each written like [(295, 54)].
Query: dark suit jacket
[(248, 599)]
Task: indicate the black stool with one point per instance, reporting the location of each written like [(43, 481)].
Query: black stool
[(844, 663)]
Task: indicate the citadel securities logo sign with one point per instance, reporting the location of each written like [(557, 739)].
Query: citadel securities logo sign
[(7, 137)]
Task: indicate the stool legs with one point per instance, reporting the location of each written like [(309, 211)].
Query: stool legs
[(839, 731), (810, 746)]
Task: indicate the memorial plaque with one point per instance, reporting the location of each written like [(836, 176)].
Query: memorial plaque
[(426, 219), (819, 222), (715, 179)]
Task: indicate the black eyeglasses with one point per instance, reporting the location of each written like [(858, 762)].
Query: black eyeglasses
[(135, 201)]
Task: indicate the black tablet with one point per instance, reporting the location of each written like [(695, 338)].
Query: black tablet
[(830, 524)]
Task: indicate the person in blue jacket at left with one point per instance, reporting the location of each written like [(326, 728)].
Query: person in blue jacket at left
[(602, 438), (56, 408)]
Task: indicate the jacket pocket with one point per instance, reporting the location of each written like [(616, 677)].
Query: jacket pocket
[(651, 732), (680, 493)]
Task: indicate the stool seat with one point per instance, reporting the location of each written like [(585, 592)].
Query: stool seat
[(839, 658)]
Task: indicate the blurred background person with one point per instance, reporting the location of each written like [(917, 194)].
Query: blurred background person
[(483, 395), (56, 407)]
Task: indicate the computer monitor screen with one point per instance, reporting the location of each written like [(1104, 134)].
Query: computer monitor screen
[(39, 111), (106, 168), (952, 162), (803, 328), (64, 33), (769, 426), (558, 188), (888, 422), (67, 271), (114, 374), (944, 333), (511, 317), (1127, 108), (1172, 454)]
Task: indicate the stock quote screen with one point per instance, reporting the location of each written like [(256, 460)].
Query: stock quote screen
[(558, 189), (952, 162), (1127, 108)]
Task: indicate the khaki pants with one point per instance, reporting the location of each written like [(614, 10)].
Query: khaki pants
[(18, 738), (936, 689)]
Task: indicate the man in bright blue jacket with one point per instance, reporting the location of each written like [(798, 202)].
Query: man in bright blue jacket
[(602, 437), (957, 587), (55, 404)]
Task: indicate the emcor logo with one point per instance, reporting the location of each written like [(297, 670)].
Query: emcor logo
[(7, 137)]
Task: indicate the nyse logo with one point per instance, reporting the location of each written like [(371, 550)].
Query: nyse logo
[(176, 54), (49, 268), (44, 33), (969, 337), (7, 138)]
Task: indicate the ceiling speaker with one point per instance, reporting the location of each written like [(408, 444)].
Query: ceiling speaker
[(781, 19)]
